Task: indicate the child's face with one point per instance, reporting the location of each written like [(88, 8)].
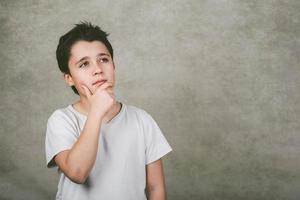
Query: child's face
[(89, 62)]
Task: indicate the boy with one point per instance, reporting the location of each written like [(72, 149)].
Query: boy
[(104, 149)]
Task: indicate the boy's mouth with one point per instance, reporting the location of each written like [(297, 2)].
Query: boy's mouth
[(99, 82)]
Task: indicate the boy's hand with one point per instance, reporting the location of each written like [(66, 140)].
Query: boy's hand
[(102, 99)]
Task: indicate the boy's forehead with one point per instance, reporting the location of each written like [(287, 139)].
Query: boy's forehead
[(86, 49)]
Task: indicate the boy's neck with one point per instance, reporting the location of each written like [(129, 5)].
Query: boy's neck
[(82, 106)]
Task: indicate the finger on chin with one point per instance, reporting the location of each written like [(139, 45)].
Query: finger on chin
[(87, 91)]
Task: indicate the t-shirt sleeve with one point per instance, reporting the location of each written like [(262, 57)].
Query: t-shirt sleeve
[(156, 144), (60, 136)]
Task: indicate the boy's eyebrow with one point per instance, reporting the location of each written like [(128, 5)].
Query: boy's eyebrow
[(103, 54), (85, 57)]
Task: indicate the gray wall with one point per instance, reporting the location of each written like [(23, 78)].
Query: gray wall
[(221, 78)]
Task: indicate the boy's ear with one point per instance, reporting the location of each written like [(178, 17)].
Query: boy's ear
[(69, 80)]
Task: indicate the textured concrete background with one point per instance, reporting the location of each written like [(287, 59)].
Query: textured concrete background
[(220, 77)]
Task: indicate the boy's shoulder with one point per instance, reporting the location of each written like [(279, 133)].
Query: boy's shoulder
[(132, 108), (142, 115), (61, 113), (137, 110)]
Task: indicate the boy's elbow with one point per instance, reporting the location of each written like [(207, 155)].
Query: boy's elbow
[(77, 176), (78, 179), (75, 172)]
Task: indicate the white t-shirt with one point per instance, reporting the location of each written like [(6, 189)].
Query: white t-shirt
[(127, 143)]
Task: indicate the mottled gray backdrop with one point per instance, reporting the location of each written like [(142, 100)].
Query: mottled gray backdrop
[(221, 78)]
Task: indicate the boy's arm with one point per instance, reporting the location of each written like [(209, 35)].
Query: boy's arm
[(77, 162), (156, 189)]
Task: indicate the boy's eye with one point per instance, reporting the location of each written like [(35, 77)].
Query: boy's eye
[(103, 60), (84, 64)]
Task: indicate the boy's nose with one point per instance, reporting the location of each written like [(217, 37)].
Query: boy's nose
[(97, 69)]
